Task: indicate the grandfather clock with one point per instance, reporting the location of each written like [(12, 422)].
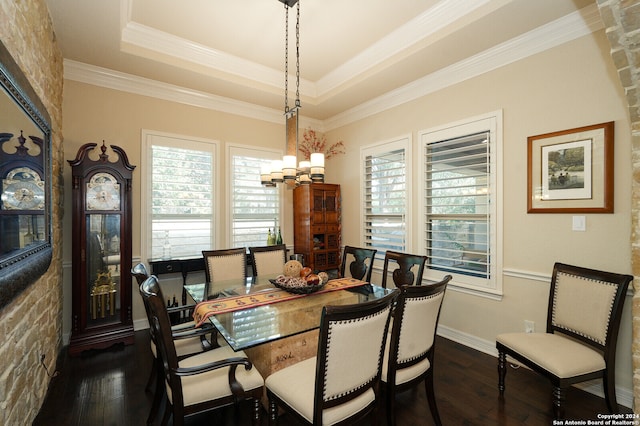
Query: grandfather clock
[(101, 302)]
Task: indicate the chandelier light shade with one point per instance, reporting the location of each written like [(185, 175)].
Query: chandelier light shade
[(288, 170)]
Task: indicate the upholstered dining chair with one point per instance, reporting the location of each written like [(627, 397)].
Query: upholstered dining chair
[(225, 264), (340, 385), (410, 348), (268, 260), (583, 318), (409, 270), (201, 382), (360, 262), (187, 339)]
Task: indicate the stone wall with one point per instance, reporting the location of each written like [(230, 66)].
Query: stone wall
[(31, 325), (622, 22)]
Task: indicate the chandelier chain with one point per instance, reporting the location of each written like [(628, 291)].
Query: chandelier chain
[(286, 58), (298, 56)]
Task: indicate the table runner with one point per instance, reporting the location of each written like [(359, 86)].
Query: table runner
[(204, 310)]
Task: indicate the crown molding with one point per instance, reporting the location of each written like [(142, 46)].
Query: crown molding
[(563, 30), (138, 39), (553, 34), (143, 40), (442, 15), (103, 77)]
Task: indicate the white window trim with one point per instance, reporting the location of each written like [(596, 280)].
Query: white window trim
[(247, 150), (493, 122), (145, 183), (400, 142)]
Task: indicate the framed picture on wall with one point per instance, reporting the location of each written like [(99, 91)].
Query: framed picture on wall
[(571, 171)]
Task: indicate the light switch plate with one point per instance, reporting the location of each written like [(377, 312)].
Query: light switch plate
[(579, 223)]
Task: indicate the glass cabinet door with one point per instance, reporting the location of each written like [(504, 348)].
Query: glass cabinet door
[(103, 268)]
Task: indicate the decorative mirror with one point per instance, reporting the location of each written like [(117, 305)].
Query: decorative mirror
[(25, 182)]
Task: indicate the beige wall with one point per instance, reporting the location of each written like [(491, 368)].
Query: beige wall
[(570, 86), (31, 325), (93, 114)]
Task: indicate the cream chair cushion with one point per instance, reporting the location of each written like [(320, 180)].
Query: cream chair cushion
[(212, 385), (403, 375), (583, 305), (417, 334), (226, 267), (352, 357), (184, 347), (555, 353), (295, 385), (192, 345), (269, 262)]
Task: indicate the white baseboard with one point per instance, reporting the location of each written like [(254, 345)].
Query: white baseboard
[(141, 324), (623, 395)]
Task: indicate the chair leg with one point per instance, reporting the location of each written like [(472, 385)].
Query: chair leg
[(609, 383), (158, 394), (431, 397), (167, 414), (502, 371), (559, 396), (375, 414), (390, 398), (273, 412), (152, 374)]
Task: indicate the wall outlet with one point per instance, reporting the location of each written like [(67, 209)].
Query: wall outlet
[(529, 326)]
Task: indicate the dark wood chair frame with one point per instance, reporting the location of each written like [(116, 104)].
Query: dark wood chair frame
[(263, 249), (408, 292), (358, 267), (608, 349), (224, 252), (205, 333), (332, 314), (403, 275), (151, 293)]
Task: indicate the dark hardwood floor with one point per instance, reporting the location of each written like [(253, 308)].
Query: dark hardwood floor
[(107, 388)]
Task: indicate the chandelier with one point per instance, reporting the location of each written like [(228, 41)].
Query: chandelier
[(285, 170)]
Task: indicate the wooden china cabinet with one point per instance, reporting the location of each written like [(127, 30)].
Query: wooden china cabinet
[(101, 295), (316, 225)]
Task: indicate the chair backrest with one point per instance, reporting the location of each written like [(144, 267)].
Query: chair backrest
[(140, 273), (161, 330), (415, 320), (586, 304), (350, 346), (361, 266), (409, 270), (268, 260), (227, 264)]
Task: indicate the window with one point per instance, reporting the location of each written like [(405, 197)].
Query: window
[(254, 209), (386, 198), (179, 196), (460, 203)]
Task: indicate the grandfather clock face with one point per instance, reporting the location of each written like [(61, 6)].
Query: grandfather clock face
[(22, 190), (103, 192)]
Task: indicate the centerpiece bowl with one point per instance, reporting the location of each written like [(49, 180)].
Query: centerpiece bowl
[(296, 285)]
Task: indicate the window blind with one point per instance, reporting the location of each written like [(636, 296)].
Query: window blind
[(385, 201), (255, 209), (457, 199), (181, 201)]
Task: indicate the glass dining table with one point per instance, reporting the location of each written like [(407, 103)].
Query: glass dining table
[(256, 325)]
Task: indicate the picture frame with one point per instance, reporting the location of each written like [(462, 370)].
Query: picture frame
[(571, 171)]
